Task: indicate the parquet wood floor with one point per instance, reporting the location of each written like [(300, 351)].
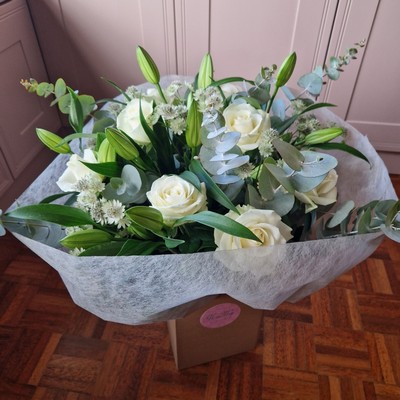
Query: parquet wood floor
[(342, 342)]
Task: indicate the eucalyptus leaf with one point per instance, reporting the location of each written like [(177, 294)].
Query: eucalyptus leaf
[(289, 154), (280, 175), (317, 164), (341, 214), (278, 108), (312, 83), (266, 183), (305, 184), (393, 234), (282, 203)]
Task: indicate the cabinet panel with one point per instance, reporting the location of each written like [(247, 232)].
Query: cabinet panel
[(368, 90), (242, 37), (83, 41), (20, 112), (6, 179)]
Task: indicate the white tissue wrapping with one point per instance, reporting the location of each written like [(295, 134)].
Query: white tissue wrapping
[(143, 289)]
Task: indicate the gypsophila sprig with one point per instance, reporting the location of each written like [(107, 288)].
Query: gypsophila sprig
[(201, 165)]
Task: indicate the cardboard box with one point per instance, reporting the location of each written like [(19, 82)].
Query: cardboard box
[(221, 328)]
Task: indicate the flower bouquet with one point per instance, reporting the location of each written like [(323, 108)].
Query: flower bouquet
[(183, 188)]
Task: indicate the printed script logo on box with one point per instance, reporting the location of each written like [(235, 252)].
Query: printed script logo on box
[(220, 315)]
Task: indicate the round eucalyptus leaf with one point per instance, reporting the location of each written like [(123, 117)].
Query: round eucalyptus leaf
[(311, 82), (317, 164)]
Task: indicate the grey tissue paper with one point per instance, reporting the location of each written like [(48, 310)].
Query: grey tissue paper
[(144, 289)]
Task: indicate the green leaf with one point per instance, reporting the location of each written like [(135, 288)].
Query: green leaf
[(364, 222), (212, 189), (343, 147), (220, 222), (115, 86), (75, 112), (53, 197), (191, 178), (101, 124), (230, 80), (161, 143), (341, 214), (392, 214), (58, 214), (110, 169), (134, 247), (289, 154)]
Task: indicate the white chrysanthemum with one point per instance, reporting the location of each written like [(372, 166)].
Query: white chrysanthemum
[(298, 105), (76, 251), (244, 171), (178, 125), (173, 88), (265, 145), (114, 211), (208, 99), (89, 183), (115, 108), (97, 212), (133, 92), (85, 200)]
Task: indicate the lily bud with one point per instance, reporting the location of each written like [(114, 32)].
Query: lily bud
[(193, 126), (106, 152), (121, 144), (147, 66), (86, 238), (206, 72), (323, 135), (52, 141), (286, 70)]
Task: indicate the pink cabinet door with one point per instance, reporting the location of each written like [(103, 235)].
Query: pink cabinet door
[(20, 112), (242, 36), (368, 90)]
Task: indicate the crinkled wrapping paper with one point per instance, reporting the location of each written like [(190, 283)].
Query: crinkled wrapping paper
[(144, 289)]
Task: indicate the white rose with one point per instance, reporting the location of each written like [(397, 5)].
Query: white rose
[(265, 224), (76, 171), (249, 122), (128, 120), (324, 194), (175, 198)]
